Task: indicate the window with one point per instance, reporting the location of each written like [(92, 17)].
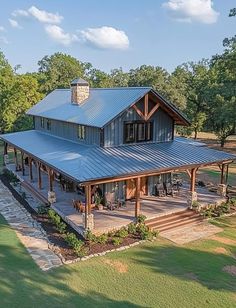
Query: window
[(42, 122), (81, 132), (138, 131), (49, 125)]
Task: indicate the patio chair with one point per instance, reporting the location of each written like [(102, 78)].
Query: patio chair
[(169, 189), (110, 201), (159, 190)]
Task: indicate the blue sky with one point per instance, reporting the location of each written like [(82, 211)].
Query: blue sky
[(114, 33)]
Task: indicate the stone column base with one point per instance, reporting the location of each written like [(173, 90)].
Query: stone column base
[(221, 190), (6, 159), (90, 221), (191, 197), (51, 197)]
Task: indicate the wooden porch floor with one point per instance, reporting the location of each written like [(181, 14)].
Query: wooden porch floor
[(107, 220)]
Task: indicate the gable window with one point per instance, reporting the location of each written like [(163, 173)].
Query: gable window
[(42, 122), (49, 124), (138, 131), (81, 132)]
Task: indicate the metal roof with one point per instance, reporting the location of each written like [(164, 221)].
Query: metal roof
[(86, 163), (190, 141), (100, 108)]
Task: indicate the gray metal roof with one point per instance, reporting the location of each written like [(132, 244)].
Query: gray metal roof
[(84, 163), (100, 108), (190, 141)]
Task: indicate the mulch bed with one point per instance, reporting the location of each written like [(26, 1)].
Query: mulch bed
[(56, 238)]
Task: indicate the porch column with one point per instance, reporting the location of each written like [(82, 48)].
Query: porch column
[(5, 154), (137, 197), (51, 193), (87, 216), (16, 158), (39, 175), (30, 169), (222, 175), (22, 163), (192, 195)]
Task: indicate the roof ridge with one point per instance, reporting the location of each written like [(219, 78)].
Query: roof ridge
[(114, 88)]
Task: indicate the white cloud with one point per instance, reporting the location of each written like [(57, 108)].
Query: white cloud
[(44, 16), (20, 13), (2, 29), (192, 10), (14, 23), (60, 36), (105, 38)]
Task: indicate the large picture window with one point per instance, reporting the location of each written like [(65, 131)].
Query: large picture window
[(138, 131)]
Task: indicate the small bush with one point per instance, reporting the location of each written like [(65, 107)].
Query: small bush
[(116, 241), (56, 220), (102, 239), (90, 237), (23, 195), (76, 244), (141, 218), (10, 176), (132, 228), (122, 233), (232, 201), (42, 210), (61, 227)]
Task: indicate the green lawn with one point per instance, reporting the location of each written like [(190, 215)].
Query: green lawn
[(157, 274)]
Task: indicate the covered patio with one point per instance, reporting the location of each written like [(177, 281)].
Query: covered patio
[(107, 220)]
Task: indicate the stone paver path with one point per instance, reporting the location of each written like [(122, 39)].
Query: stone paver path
[(28, 230), (189, 233)]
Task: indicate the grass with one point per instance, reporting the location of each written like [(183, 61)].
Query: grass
[(157, 274)]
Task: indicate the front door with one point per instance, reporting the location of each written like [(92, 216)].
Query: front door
[(130, 189)]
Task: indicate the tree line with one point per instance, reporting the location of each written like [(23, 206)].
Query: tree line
[(205, 91)]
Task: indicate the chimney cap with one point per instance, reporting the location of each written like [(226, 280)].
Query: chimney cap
[(79, 82)]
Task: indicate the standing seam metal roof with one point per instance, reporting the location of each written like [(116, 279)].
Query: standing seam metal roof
[(87, 163)]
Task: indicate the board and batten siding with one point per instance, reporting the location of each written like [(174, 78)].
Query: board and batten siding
[(69, 131), (162, 127)]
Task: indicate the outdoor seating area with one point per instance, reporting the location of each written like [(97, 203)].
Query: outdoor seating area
[(70, 205)]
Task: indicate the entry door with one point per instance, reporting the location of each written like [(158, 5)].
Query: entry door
[(130, 189)]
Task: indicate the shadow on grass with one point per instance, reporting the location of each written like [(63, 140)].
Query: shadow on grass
[(22, 284), (189, 264)]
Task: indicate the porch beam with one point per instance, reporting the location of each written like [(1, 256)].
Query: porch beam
[(137, 197), (139, 112), (152, 111)]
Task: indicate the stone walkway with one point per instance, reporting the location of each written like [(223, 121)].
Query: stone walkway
[(28, 230), (189, 233)]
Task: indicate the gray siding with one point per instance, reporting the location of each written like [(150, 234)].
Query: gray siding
[(162, 127), (69, 131)]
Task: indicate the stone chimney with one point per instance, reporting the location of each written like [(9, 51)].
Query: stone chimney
[(79, 91)]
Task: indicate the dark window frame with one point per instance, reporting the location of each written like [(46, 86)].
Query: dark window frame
[(81, 132), (49, 124), (42, 122), (148, 131)]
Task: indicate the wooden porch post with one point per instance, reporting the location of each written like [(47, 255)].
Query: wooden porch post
[(50, 179), (137, 197), (30, 169), (193, 179), (227, 174), (87, 204), (22, 163), (16, 158), (4, 153), (222, 175), (39, 175)]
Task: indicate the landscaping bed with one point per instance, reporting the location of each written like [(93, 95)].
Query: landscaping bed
[(65, 241)]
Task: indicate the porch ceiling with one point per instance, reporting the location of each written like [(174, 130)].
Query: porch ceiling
[(85, 163)]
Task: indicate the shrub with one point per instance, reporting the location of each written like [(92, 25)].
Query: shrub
[(61, 227), (75, 243), (122, 233), (42, 210), (10, 176), (23, 195), (116, 241), (141, 218), (102, 239), (132, 228), (232, 201), (90, 237), (56, 220)]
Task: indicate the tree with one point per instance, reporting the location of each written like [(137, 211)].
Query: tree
[(58, 70)]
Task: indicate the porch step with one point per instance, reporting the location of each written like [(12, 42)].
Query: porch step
[(174, 220), (31, 189)]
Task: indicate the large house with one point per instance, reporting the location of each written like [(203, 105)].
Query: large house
[(117, 143)]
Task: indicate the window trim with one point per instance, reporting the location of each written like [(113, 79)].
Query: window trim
[(81, 132), (136, 131)]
